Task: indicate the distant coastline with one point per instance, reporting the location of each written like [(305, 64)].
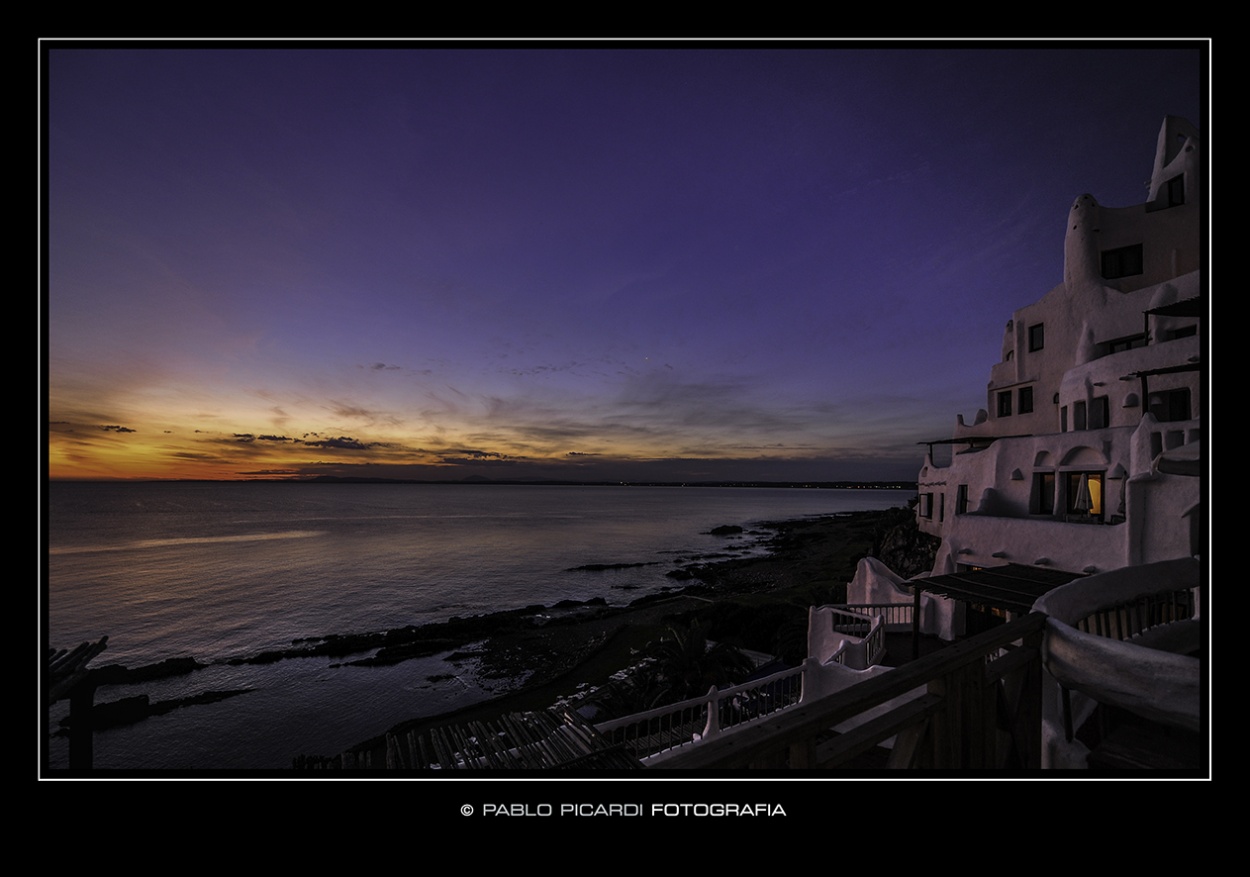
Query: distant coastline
[(536, 482)]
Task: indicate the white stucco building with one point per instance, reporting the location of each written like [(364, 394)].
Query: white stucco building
[(1094, 411)]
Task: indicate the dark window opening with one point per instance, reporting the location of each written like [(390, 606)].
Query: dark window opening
[(1182, 332), (1063, 419), (1037, 337), (1004, 404), (1099, 413), (961, 500), (1176, 191), (1132, 342), (1078, 416), (926, 505), (1042, 501), (1170, 405), (1124, 262), (1026, 400)]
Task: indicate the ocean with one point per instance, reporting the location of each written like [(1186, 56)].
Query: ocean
[(216, 571)]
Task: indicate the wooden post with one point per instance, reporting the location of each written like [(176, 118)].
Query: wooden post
[(915, 622), (82, 724), (1029, 709)]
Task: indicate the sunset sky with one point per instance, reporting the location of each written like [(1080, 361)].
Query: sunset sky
[(678, 263)]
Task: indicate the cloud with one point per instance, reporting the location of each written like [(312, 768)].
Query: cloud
[(344, 410), (116, 428), (342, 443), (461, 456)]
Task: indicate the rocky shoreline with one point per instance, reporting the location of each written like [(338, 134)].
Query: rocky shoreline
[(758, 603)]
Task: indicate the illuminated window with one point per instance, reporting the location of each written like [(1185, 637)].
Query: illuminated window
[(1084, 493)]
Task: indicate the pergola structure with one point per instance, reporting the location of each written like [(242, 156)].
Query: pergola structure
[(1012, 587)]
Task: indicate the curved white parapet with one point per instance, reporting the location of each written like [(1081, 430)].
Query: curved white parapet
[(1148, 681), (874, 582)]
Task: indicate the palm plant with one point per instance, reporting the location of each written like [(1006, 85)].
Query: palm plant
[(687, 665)]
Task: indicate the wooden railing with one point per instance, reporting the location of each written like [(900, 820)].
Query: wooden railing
[(975, 704), (1130, 618)]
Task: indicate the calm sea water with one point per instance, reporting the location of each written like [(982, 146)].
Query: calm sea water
[(214, 571)]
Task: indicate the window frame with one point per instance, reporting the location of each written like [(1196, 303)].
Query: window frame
[(1100, 412), (1165, 404), (1175, 190), (1004, 403), (1121, 262), (1024, 400), (1072, 486), (1037, 337), (1042, 496)]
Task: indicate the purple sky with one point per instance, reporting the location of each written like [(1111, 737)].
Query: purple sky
[(679, 263)]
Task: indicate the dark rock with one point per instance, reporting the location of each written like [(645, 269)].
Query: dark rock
[(600, 567), (116, 674), (726, 530), (902, 547), (573, 604)]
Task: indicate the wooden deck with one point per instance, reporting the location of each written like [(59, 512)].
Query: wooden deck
[(553, 740)]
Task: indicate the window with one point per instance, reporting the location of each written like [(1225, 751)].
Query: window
[(1037, 337), (1170, 405), (925, 509), (1171, 194), (961, 500), (1026, 400), (942, 506), (1099, 413), (1084, 493), (1176, 191), (1182, 332), (1004, 404), (1124, 262), (1078, 415), (1063, 419), (1042, 500), (1130, 343)]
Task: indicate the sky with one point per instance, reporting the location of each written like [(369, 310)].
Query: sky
[(652, 262)]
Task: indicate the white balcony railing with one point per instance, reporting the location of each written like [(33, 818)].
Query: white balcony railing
[(652, 735), (664, 729)]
